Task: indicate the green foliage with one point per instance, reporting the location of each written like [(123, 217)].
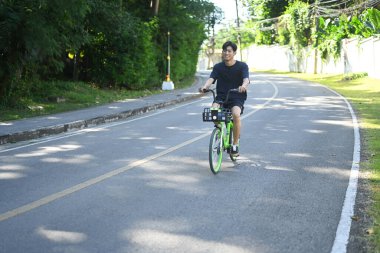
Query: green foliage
[(354, 76), (294, 23), (34, 34), (283, 37), (187, 22), (263, 9), (329, 36), (264, 37), (213, 18), (111, 43), (297, 19), (264, 33), (122, 56), (331, 32), (371, 20), (74, 95), (231, 33)]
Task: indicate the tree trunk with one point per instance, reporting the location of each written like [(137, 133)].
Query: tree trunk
[(155, 6)]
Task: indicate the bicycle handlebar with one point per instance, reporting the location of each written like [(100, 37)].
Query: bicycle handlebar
[(213, 93)]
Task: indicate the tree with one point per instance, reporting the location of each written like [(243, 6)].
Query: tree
[(332, 31), (34, 35), (120, 50), (264, 9), (111, 43), (155, 6), (187, 21), (262, 24), (299, 24)]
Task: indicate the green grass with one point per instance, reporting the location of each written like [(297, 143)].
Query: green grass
[(40, 98), (364, 95)]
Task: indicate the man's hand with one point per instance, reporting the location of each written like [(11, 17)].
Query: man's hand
[(244, 85), (242, 89), (202, 90)]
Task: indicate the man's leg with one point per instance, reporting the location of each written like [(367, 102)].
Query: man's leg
[(215, 105), (236, 111)]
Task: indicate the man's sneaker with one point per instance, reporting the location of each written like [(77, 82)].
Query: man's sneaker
[(235, 150)]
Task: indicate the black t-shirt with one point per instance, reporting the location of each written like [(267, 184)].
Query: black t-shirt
[(230, 77)]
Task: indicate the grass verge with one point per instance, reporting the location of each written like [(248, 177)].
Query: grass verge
[(364, 95), (45, 98)]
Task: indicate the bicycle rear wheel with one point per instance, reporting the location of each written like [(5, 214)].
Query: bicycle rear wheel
[(215, 150)]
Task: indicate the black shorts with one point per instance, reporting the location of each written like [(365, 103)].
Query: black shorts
[(231, 103)]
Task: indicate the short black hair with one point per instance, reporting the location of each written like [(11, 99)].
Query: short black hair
[(229, 44)]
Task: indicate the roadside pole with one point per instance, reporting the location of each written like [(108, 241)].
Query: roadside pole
[(168, 84)]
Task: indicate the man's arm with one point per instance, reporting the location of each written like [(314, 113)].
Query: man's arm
[(244, 86), (207, 84)]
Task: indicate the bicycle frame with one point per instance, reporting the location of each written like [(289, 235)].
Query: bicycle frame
[(222, 135), (226, 131)]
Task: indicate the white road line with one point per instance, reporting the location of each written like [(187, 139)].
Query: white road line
[(260, 107), (78, 187), (343, 230), (93, 181), (344, 226)]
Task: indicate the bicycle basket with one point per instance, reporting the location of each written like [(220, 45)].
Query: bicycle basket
[(215, 115)]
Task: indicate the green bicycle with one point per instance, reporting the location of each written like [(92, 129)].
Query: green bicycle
[(222, 136)]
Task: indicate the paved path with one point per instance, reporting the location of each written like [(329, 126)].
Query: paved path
[(143, 184), (31, 128)]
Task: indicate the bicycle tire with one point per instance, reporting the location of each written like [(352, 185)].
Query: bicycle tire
[(231, 141), (216, 150)]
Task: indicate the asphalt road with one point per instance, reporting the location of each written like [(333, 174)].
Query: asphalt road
[(144, 185)]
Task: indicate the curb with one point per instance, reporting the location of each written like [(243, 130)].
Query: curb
[(82, 124)]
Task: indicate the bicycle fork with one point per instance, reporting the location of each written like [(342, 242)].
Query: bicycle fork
[(225, 132), (228, 139)]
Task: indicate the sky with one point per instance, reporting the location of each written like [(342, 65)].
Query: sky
[(229, 8)]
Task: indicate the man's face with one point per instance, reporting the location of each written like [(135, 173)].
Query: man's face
[(228, 54)]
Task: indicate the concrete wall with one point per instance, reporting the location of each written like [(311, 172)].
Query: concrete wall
[(363, 56), (356, 56)]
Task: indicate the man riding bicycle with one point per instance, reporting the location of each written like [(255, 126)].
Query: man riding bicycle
[(230, 74)]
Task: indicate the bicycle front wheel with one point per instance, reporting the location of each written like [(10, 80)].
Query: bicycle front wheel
[(216, 150)]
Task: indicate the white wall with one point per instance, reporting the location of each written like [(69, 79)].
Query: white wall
[(356, 56), (363, 56)]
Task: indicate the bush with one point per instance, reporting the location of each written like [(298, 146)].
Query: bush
[(354, 76)]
